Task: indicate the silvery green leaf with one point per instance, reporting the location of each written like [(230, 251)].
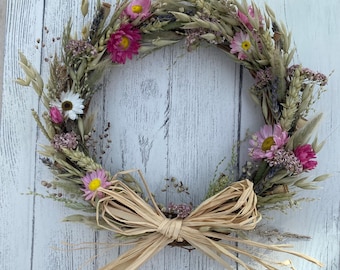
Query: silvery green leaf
[(317, 146), (321, 178), (23, 82), (208, 36), (302, 135), (81, 127), (181, 16)]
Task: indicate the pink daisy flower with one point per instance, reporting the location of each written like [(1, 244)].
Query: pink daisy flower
[(266, 141), (92, 181), (124, 43), (138, 8), (241, 45), (305, 153)]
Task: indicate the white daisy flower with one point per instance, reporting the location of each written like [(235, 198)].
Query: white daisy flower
[(70, 104)]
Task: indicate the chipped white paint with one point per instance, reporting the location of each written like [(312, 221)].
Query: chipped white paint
[(172, 114)]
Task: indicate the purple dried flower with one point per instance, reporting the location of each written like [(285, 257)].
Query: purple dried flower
[(194, 36), (192, 39), (263, 77), (181, 210), (79, 47), (286, 159), (67, 140), (309, 75)]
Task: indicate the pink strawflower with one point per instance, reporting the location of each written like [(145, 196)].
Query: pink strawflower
[(92, 181), (124, 43), (266, 141), (241, 45), (56, 115), (305, 153), (245, 20), (65, 140), (138, 8)]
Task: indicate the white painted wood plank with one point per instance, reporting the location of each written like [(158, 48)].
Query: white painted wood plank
[(315, 36), (51, 252), (18, 138)]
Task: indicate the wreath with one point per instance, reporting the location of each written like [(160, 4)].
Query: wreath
[(281, 153)]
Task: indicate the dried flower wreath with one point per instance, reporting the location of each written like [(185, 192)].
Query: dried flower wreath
[(281, 152)]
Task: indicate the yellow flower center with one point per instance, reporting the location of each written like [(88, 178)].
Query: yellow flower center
[(137, 9), (246, 45), (67, 105), (94, 184), (124, 43), (267, 143)]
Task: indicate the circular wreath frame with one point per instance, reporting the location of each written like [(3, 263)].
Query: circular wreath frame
[(281, 152)]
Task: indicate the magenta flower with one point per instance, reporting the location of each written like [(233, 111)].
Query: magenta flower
[(124, 43), (92, 181), (305, 153), (56, 115), (241, 45), (245, 20), (138, 8), (267, 141)]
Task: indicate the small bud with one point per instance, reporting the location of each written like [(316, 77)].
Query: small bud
[(44, 183), (301, 122), (208, 36), (107, 8), (278, 189), (109, 32), (81, 127), (23, 82), (101, 41), (84, 7), (182, 17), (85, 33)]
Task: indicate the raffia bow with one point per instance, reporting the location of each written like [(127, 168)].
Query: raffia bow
[(234, 208)]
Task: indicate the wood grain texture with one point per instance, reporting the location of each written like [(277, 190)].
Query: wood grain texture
[(2, 45), (172, 114)]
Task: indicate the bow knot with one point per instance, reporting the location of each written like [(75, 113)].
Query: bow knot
[(171, 228)]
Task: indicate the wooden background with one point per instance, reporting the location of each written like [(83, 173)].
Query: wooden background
[(173, 114)]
